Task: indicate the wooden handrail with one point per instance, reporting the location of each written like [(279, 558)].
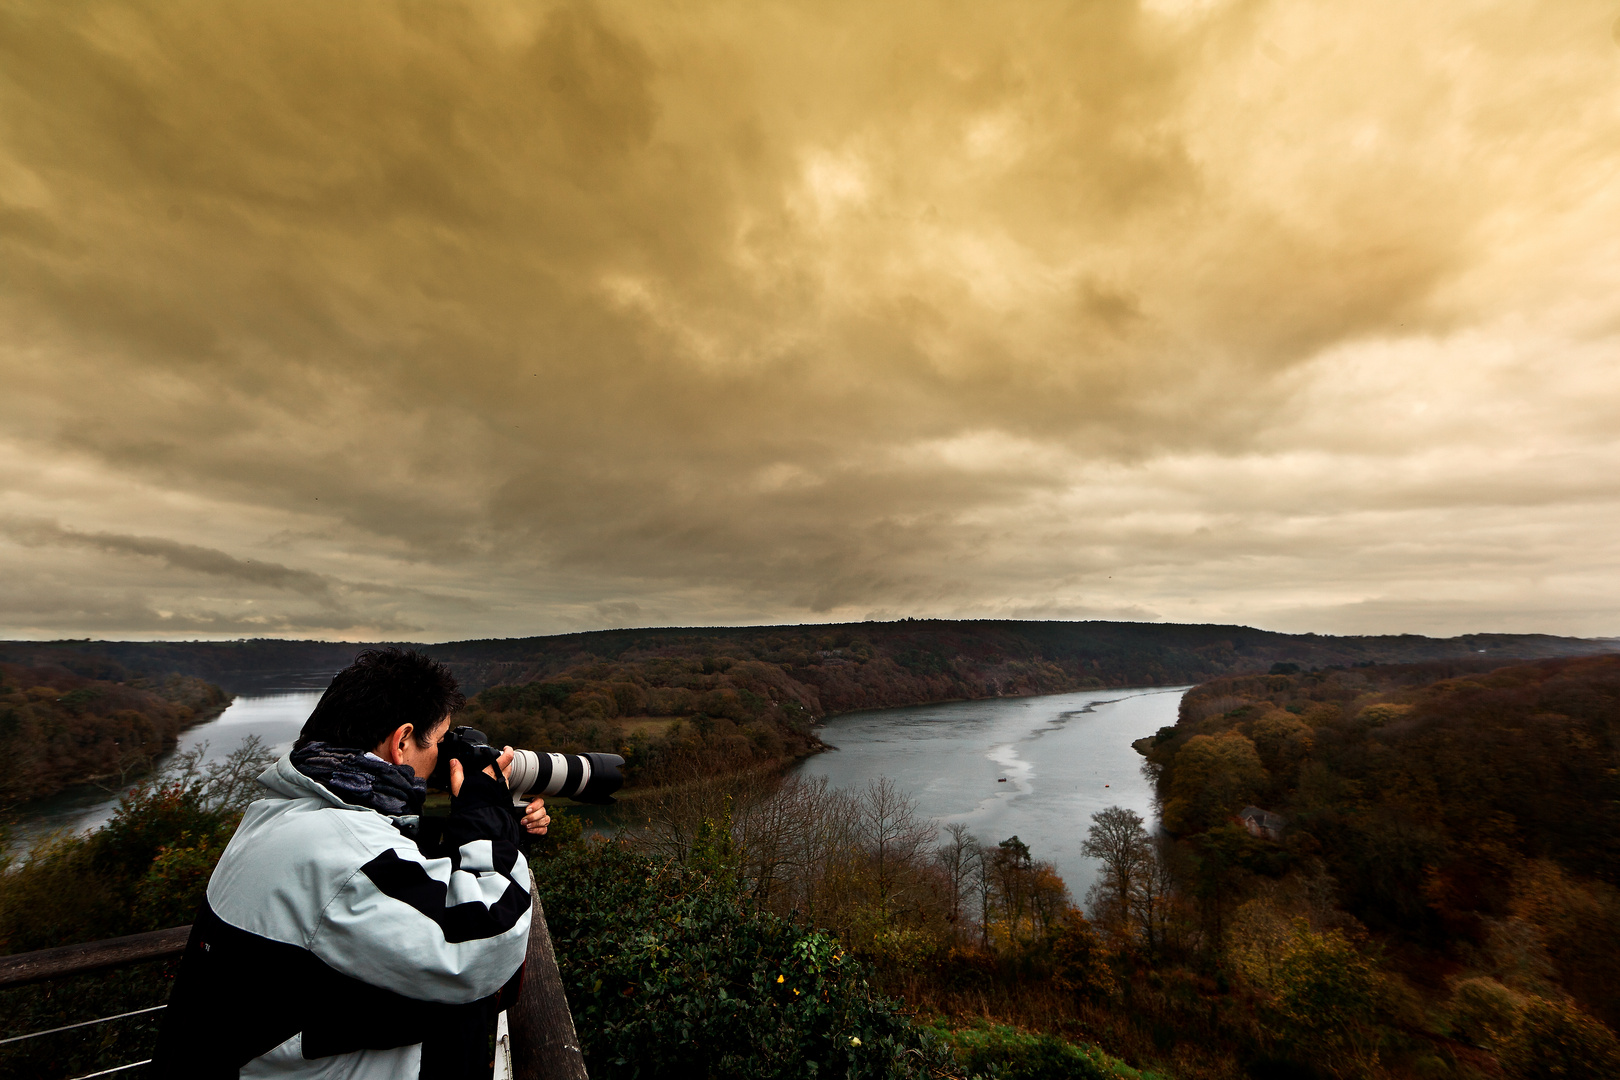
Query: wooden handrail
[(544, 1044), (34, 967)]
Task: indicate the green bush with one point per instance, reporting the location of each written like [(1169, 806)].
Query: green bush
[(996, 1052), (670, 972)]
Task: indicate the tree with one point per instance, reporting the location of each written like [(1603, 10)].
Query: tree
[(1211, 777), (1048, 898), (1008, 869), (1152, 892), (893, 835), (962, 860), (1080, 959), (1325, 992), (1555, 1039), (984, 887), (1118, 840)]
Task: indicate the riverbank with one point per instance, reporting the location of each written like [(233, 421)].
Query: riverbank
[(275, 718), (59, 729)]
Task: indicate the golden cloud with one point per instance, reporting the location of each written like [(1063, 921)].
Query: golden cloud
[(562, 314)]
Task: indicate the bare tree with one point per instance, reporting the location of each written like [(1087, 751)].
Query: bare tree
[(984, 885), (1117, 839), (797, 844), (670, 819), (893, 836), (769, 834), (960, 860)]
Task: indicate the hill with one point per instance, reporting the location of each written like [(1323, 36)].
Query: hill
[(724, 698), (919, 659)]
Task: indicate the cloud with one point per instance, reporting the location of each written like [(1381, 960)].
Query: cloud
[(170, 553), (488, 317)]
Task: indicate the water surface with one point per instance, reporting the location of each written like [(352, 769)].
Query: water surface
[(1063, 757), (1034, 767), (275, 715)]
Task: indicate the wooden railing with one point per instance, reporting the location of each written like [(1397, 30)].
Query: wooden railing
[(539, 1042), (91, 956)]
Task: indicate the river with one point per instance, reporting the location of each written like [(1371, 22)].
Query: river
[(275, 714), (1064, 757)]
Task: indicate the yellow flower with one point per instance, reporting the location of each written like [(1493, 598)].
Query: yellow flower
[(854, 1040), (781, 978), (795, 991)]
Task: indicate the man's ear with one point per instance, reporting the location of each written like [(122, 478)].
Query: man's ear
[(392, 749)]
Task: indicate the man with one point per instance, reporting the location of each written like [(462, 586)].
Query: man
[(331, 944)]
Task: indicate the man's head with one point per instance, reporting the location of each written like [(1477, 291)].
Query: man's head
[(387, 700)]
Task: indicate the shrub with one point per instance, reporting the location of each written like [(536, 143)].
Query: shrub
[(671, 972), (1483, 1011), (996, 1052), (1555, 1040), (146, 870)]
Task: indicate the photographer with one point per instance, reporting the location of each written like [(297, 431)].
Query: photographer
[(331, 944)]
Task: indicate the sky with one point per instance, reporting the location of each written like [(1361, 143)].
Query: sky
[(443, 320)]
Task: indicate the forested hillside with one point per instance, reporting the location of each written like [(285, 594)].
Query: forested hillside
[(1467, 821), (58, 729), (850, 665), (719, 699), (672, 701)]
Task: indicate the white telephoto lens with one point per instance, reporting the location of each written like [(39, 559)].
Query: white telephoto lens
[(561, 782), (525, 773)]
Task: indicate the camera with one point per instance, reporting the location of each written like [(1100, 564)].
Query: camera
[(587, 778)]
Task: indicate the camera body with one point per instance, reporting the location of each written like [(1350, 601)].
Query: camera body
[(587, 778)]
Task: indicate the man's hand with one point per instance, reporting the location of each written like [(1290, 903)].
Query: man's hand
[(457, 774), (535, 818)]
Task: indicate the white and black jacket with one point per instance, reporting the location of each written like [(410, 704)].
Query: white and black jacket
[(331, 946)]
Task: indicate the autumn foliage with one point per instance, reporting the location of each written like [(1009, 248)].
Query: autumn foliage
[(1443, 885), (59, 728)]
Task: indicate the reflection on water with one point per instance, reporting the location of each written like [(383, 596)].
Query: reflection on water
[(274, 715), (1035, 767)]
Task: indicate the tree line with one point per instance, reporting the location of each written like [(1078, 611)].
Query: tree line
[(59, 729), (927, 659)]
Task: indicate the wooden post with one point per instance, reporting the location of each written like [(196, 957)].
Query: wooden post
[(544, 1046)]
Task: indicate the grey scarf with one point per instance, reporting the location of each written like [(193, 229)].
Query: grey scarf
[(362, 779)]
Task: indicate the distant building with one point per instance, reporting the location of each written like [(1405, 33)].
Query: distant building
[(1262, 823)]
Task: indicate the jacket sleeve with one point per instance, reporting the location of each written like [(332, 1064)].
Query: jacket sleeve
[(449, 926)]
